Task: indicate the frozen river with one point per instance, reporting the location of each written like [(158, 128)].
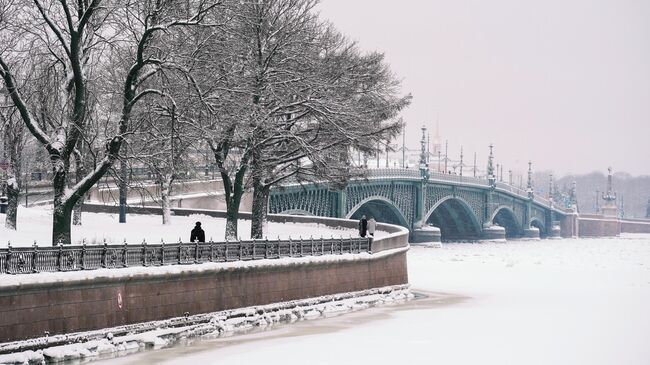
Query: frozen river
[(580, 301)]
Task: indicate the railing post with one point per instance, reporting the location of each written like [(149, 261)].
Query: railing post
[(8, 258), (241, 249), (196, 251), (322, 245), (211, 250), (341, 248), (144, 252), (82, 260), (124, 253), (266, 248), (59, 259), (104, 251), (301, 250), (311, 239), (34, 258), (180, 251), (332, 245), (162, 252), (226, 250), (290, 247)]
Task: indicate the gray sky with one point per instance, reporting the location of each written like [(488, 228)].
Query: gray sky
[(564, 83)]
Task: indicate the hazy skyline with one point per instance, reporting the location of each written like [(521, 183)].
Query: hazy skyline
[(564, 84)]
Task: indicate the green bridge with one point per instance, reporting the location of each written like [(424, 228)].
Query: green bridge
[(433, 206)]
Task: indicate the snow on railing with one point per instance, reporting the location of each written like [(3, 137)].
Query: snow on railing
[(394, 172), (34, 259), (457, 178), (389, 173)]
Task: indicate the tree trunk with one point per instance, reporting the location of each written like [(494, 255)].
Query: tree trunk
[(232, 213), (165, 191), (260, 208), (12, 205), (232, 216), (61, 226), (80, 172), (13, 145), (123, 189), (62, 212)]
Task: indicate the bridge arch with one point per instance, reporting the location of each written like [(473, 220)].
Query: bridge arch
[(505, 217), (382, 209), (455, 218), (537, 223)]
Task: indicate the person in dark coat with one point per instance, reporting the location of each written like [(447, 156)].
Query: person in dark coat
[(363, 226), (197, 233)]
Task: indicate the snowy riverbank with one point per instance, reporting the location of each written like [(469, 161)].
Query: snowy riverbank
[(121, 341), (547, 302)]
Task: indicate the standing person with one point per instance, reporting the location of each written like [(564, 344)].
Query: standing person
[(197, 233), (372, 224), (363, 226)]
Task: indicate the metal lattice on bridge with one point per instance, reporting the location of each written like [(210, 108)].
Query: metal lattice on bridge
[(461, 206)]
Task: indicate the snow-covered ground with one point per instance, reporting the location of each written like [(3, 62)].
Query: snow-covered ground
[(35, 224), (583, 301)]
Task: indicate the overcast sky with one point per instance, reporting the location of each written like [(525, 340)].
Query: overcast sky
[(564, 83)]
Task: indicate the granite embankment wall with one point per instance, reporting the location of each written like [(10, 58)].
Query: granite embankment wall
[(79, 301), (592, 225), (635, 225), (598, 226)]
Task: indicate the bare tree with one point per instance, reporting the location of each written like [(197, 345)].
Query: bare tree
[(289, 97), (91, 44), (163, 143)]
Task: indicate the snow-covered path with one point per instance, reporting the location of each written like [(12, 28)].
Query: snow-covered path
[(35, 224), (549, 302)]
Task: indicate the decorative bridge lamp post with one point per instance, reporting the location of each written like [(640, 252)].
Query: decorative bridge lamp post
[(424, 169), (490, 169), (461, 160), (529, 186)]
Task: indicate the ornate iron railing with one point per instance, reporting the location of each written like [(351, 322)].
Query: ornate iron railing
[(34, 259)]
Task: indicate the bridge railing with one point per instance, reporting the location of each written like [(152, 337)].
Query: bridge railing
[(34, 259), (457, 178), (394, 172)]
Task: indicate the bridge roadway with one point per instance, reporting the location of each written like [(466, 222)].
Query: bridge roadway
[(434, 207)]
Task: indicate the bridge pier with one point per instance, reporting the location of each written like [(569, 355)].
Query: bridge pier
[(569, 226), (556, 231), (531, 233), (493, 233), (425, 234)]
